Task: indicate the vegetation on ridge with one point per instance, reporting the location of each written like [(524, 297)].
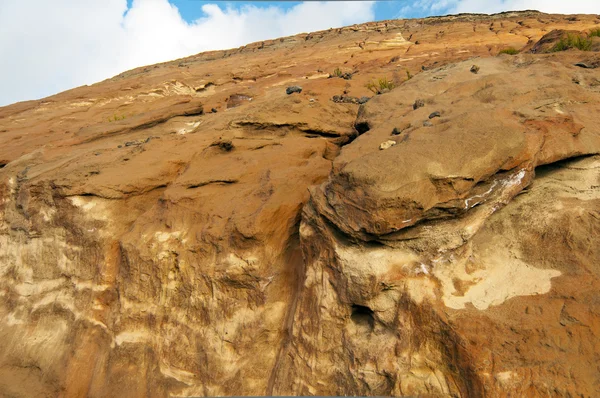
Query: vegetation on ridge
[(381, 85), (509, 51), (572, 41)]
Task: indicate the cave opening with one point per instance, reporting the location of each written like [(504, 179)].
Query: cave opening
[(363, 316)]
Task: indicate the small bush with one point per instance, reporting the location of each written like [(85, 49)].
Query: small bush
[(380, 85), (509, 51), (595, 32), (115, 118), (408, 75), (337, 72), (572, 41)]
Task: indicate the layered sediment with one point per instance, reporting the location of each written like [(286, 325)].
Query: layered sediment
[(190, 228)]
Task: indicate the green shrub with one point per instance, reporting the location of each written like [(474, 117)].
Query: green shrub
[(380, 85), (509, 51), (572, 41), (337, 72), (595, 32), (115, 118)]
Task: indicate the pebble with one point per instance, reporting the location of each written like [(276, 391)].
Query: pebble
[(293, 89), (435, 114), (400, 128), (386, 145), (418, 104)]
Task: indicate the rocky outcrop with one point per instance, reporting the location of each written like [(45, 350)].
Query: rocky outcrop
[(272, 247)]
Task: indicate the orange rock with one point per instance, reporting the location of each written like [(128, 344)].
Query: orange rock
[(271, 248)]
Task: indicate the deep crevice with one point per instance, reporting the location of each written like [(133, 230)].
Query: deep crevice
[(294, 258), (549, 168), (220, 182)]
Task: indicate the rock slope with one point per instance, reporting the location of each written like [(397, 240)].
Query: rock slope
[(189, 228)]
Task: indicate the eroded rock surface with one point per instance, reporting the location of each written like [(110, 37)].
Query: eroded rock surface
[(150, 248)]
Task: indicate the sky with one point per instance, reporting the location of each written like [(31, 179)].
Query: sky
[(50, 46)]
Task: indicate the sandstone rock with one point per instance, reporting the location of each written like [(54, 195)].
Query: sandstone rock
[(387, 144), (273, 249), (236, 100)]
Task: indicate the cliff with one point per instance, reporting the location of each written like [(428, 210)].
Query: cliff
[(190, 228)]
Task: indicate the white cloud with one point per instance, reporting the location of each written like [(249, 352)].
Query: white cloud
[(442, 7), (50, 46)]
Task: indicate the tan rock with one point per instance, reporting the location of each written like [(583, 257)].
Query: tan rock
[(387, 144), (270, 248)]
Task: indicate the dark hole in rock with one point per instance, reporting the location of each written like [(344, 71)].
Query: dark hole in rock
[(225, 145), (362, 316), (3, 163), (362, 127)]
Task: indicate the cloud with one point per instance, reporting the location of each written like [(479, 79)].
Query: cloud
[(442, 7), (51, 46)]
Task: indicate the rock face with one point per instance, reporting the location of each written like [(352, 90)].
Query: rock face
[(150, 249)]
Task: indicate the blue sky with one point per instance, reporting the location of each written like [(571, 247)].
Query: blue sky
[(192, 9), (52, 46)]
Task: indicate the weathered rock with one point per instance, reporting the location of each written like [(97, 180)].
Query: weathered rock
[(293, 89), (345, 99), (387, 144), (435, 114), (236, 100), (401, 128), (498, 140), (418, 104), (275, 250)]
